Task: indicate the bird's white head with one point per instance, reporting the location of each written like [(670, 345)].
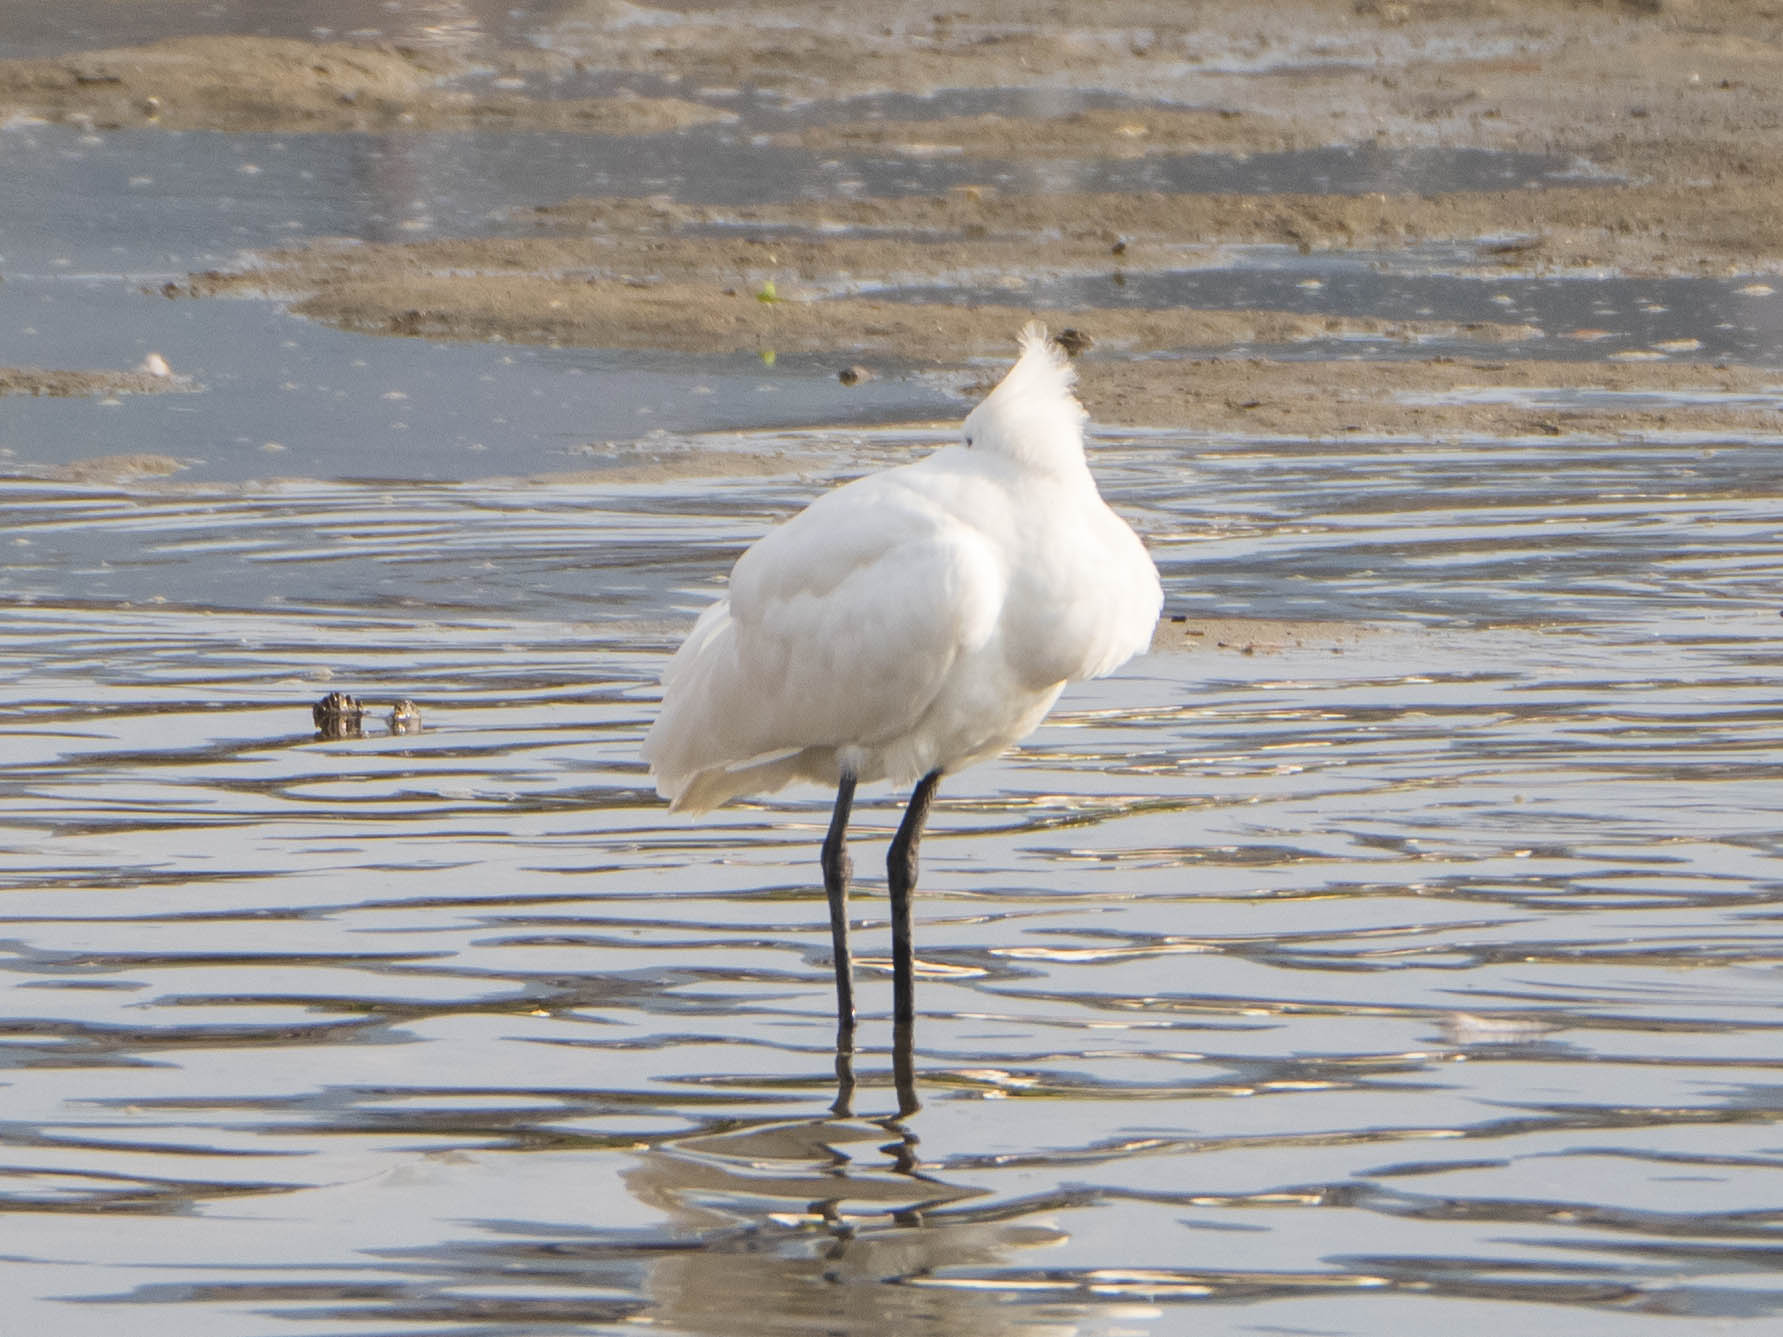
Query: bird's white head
[(1032, 416)]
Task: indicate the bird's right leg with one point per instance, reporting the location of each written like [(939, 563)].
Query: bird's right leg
[(904, 1067), (900, 868), (836, 868)]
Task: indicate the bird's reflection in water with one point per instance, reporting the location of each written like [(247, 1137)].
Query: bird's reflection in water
[(769, 1226), (804, 1165), (903, 1070), (800, 1225)]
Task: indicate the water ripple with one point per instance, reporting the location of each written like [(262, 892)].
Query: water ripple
[(1337, 973)]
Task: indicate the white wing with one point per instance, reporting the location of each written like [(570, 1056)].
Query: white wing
[(841, 628)]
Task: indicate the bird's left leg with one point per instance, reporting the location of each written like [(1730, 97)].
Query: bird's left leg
[(900, 868), (836, 868)]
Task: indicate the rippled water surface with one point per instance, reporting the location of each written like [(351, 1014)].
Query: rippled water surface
[(1408, 960), (1433, 956)]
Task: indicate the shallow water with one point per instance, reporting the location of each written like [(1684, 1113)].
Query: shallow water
[(1333, 982), (1420, 968)]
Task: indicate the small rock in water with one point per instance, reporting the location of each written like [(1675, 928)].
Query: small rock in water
[(405, 717), (337, 715), (854, 375)]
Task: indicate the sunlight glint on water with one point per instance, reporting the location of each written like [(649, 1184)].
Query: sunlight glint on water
[(1334, 972)]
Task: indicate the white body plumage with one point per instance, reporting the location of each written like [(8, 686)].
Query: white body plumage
[(915, 620)]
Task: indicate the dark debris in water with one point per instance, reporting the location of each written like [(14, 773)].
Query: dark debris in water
[(337, 715)]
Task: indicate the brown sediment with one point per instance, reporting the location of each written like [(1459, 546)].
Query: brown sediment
[(113, 469), (1099, 132), (686, 460), (1671, 87), (1254, 635), (1672, 110), (1147, 368), (1434, 397), (69, 384), (1584, 75), (1651, 230), (241, 83), (704, 318), (1686, 90)]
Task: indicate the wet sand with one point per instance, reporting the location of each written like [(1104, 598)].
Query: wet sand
[(59, 383), (280, 84), (1668, 109), (384, 293), (1183, 634)]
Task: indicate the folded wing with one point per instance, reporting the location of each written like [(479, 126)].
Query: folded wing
[(840, 630)]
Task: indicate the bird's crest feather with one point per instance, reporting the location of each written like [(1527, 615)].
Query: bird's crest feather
[(1032, 415)]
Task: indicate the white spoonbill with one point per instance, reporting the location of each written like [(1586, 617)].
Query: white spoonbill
[(907, 625)]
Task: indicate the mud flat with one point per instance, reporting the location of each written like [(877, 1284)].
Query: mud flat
[(383, 291), (1183, 634), (1438, 398), (244, 83), (1660, 121), (68, 384)]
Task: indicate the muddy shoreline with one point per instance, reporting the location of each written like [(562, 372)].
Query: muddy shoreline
[(241, 84), (62, 383), (1669, 110)]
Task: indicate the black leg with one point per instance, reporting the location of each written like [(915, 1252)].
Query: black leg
[(905, 1161), (836, 868), (904, 1068), (900, 868), (843, 1105)]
